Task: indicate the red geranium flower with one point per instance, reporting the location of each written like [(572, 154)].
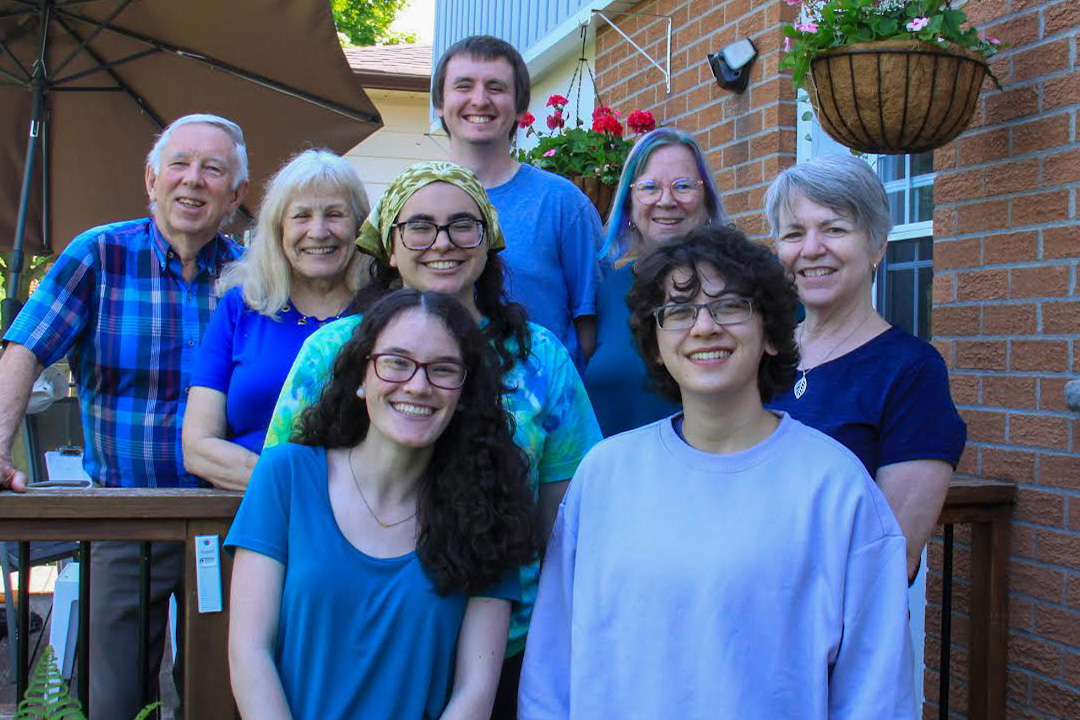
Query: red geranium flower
[(607, 124), (526, 120), (641, 121), (557, 101), (602, 111), (555, 120)]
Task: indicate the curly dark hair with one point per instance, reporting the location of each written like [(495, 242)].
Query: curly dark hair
[(508, 324), (749, 269), (477, 517)]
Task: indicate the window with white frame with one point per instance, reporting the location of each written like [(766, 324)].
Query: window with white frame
[(903, 288)]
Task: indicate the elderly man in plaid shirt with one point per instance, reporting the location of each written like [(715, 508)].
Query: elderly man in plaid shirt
[(129, 302)]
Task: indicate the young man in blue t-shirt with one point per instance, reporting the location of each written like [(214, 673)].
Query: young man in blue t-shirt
[(480, 91)]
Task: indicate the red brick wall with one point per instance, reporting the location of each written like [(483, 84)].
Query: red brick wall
[(1006, 307), (1006, 317), (747, 138)]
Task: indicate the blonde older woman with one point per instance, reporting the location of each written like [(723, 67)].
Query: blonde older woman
[(878, 390), (301, 271)]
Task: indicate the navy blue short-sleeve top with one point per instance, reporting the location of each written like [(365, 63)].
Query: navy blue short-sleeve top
[(887, 401)]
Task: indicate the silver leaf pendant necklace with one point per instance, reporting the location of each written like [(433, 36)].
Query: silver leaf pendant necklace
[(800, 384)]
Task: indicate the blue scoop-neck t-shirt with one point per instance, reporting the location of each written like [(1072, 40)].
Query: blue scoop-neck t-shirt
[(359, 637)]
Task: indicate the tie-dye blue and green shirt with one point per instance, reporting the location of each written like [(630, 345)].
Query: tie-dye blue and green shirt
[(554, 421)]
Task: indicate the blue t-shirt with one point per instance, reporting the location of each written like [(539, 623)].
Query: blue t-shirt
[(553, 421), (247, 356), (616, 377), (552, 235), (887, 401), (359, 637)]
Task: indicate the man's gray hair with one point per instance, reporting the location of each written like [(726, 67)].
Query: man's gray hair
[(153, 158), (842, 183)]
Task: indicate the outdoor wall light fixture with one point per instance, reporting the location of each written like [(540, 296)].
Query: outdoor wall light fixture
[(731, 66)]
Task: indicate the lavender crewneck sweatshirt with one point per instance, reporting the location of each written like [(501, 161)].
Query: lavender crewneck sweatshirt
[(678, 584)]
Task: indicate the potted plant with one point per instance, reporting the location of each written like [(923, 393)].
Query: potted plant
[(590, 158), (888, 76)]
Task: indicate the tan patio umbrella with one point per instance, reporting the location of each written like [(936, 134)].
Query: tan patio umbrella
[(86, 84)]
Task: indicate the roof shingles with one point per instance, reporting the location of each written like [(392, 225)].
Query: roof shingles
[(391, 67)]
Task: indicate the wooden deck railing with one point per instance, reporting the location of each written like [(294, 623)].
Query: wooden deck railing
[(987, 506), (180, 515), (145, 515)]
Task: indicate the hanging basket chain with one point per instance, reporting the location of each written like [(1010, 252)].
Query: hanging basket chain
[(578, 78)]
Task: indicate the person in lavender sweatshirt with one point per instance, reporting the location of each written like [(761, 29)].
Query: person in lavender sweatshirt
[(728, 561)]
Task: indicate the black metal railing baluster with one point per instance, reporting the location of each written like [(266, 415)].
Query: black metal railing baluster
[(145, 554), (82, 649), (946, 622), (22, 626)]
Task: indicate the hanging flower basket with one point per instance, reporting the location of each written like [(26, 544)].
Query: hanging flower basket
[(590, 157), (895, 96), (598, 193)]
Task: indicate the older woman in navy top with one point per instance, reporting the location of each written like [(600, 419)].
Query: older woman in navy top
[(665, 191), (300, 272), (878, 390)]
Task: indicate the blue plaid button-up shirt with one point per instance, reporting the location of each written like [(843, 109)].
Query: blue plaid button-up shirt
[(117, 301)]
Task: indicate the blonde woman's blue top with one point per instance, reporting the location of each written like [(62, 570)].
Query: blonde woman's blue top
[(554, 421)]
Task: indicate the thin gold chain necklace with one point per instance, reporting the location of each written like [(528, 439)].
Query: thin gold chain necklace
[(800, 384), (356, 481)]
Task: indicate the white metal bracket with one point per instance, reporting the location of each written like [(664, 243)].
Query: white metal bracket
[(665, 70)]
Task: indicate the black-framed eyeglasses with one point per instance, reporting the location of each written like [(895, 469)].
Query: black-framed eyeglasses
[(649, 191), (724, 311), (445, 374), (465, 233)]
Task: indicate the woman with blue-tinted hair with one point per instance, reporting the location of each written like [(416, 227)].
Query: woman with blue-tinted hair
[(666, 190)]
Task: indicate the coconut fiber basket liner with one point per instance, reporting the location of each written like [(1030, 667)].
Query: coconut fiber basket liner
[(895, 96)]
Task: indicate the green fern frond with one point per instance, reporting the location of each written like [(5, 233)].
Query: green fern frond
[(145, 712), (48, 696)]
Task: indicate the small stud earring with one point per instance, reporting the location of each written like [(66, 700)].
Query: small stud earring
[(360, 393)]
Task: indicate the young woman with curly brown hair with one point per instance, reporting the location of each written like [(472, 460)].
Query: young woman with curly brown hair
[(376, 556)]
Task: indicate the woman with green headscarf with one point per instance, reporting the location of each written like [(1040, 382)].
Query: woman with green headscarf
[(435, 230)]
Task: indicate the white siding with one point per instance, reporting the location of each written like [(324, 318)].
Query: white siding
[(402, 140)]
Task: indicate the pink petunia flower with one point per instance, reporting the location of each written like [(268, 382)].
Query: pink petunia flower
[(787, 44), (550, 152), (793, 2), (991, 40), (918, 24), (807, 27)]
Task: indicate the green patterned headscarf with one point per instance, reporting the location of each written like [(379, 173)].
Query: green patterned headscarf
[(375, 234)]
